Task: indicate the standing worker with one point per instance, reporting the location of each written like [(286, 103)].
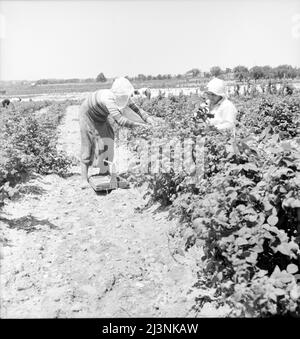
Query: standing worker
[(146, 92), (96, 113), (143, 92), (5, 103)]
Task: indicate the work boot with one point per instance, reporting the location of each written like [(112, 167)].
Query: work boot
[(104, 174)]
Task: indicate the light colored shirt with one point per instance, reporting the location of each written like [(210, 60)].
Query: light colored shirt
[(224, 115)]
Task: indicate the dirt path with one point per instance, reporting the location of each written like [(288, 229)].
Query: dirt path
[(72, 253)]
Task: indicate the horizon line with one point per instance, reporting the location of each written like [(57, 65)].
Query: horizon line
[(154, 75)]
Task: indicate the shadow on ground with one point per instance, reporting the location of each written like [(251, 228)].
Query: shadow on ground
[(103, 193), (27, 223), (4, 241), (32, 189)]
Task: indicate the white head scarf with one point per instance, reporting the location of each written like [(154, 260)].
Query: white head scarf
[(217, 86), (122, 89)]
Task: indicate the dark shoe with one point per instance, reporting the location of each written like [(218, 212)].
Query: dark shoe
[(104, 174)]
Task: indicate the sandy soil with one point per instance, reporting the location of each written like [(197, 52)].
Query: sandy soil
[(68, 252)]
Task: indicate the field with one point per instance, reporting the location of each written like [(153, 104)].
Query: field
[(224, 242), (31, 90), (19, 89)]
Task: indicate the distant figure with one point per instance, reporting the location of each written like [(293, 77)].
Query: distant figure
[(248, 88), (147, 93), (143, 92), (281, 89), (288, 89), (269, 87), (237, 90), (253, 90), (273, 88), (5, 103)]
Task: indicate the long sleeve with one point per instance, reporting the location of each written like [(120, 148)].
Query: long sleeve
[(108, 100), (138, 110)]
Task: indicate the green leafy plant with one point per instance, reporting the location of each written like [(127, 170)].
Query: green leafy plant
[(244, 212), (28, 144)]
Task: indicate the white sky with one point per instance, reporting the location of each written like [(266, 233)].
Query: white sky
[(79, 39)]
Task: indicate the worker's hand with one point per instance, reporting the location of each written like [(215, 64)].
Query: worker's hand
[(214, 121), (151, 121), (144, 126)]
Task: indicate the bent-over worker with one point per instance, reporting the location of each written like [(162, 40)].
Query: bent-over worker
[(96, 113)]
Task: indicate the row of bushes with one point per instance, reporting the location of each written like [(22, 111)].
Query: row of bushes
[(244, 212), (28, 143)]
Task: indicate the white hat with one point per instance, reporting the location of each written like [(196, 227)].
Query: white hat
[(122, 89), (216, 86)]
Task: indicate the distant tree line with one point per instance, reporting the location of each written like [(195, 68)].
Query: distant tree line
[(239, 72), (100, 78), (62, 81), (266, 72)]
